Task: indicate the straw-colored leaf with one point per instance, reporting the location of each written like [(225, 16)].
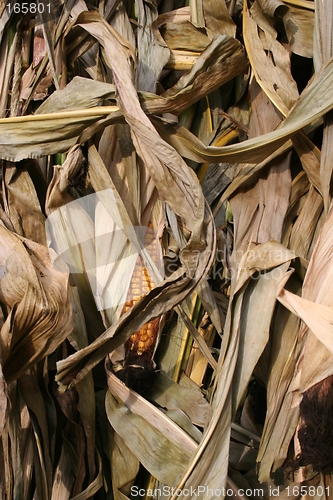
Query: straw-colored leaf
[(58, 121), (153, 54), (36, 323), (222, 60), (125, 467), (318, 317), (22, 200), (270, 61), (299, 25), (142, 426), (184, 36), (309, 155), (254, 329), (315, 298), (197, 15), (201, 470), (323, 52), (303, 230), (170, 395), (3, 399), (281, 420), (258, 149), (218, 18)]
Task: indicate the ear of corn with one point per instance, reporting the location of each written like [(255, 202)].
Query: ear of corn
[(138, 367), (144, 340)]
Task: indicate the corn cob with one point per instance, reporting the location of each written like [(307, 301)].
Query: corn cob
[(144, 340), (138, 368)]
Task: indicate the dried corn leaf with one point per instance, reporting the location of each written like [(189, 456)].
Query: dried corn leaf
[(153, 53), (270, 60), (48, 27), (62, 487), (6, 67), (242, 457), (281, 420), (318, 317), (260, 257), (323, 41), (220, 62), (269, 194), (3, 398), (42, 135), (254, 150), (318, 283), (309, 155), (41, 318), (88, 492), (306, 4), (117, 152), (58, 121), (316, 296), (78, 94), (255, 326), (196, 12), (22, 205), (33, 398), (217, 18), (170, 395), (302, 232), (183, 421), (142, 426), (182, 60), (17, 270), (322, 36), (299, 26), (209, 466), (184, 36), (299, 188), (207, 298), (272, 7), (124, 467)]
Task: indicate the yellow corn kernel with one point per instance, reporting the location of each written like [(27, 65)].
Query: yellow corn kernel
[(144, 340)]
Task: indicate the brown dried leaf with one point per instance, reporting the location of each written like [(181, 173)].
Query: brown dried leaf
[(270, 60), (40, 319), (143, 426), (299, 26)]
